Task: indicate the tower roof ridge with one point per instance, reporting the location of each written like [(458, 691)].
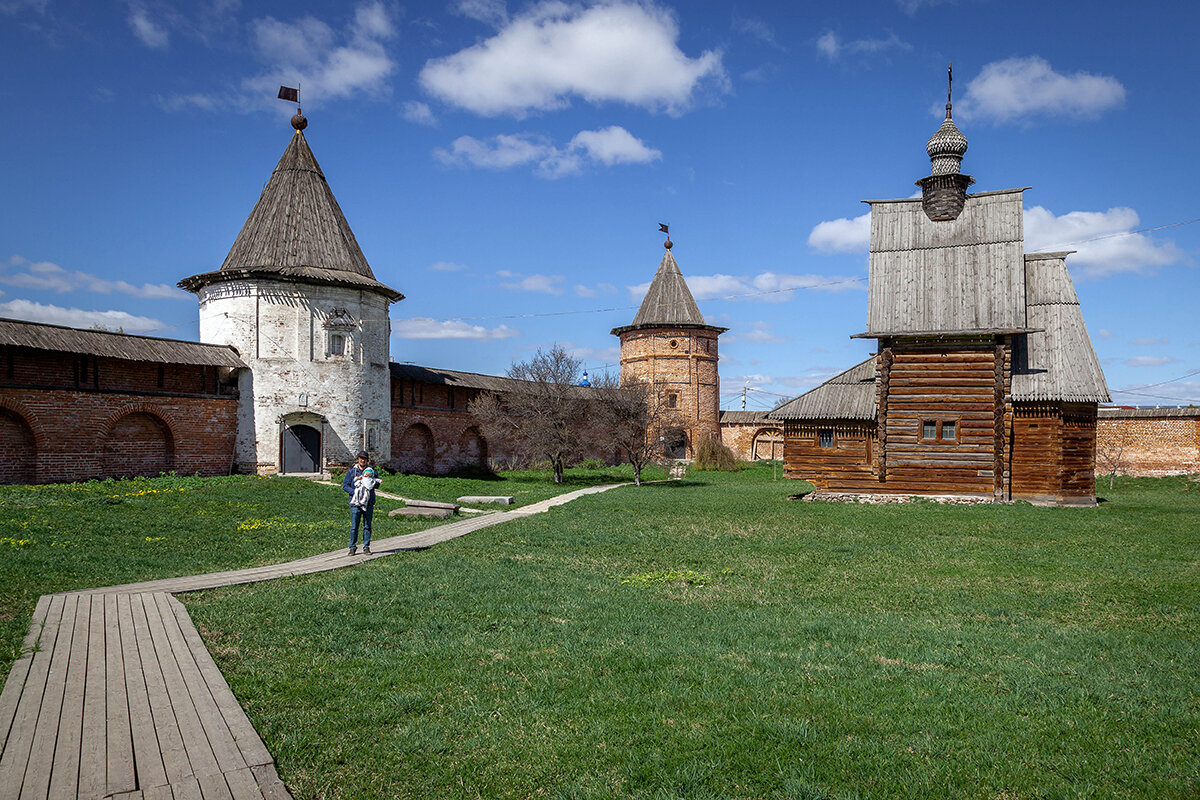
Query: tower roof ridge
[(668, 301)]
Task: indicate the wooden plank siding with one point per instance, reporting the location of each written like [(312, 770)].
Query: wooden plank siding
[(847, 464), (950, 382), (1054, 452)]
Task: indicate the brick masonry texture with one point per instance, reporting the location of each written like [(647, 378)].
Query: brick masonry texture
[(683, 362), (1150, 446), (753, 442)]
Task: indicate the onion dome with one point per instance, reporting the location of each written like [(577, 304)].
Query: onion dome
[(947, 147)]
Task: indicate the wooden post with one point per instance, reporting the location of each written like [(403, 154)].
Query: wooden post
[(885, 371), (998, 425)]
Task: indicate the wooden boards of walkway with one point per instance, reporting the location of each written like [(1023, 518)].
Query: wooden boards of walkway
[(117, 696)]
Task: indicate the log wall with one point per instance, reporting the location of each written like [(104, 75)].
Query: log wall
[(847, 465), (1054, 452), (962, 383)]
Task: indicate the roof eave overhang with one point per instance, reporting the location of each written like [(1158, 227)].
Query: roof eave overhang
[(197, 282), (943, 334), (674, 325)]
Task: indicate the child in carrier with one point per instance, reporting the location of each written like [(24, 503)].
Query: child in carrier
[(363, 487)]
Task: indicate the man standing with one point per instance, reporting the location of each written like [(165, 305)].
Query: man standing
[(361, 513)]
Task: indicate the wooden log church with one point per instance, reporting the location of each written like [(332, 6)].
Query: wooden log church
[(984, 383)]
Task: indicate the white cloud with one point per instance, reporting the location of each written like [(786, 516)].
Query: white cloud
[(1117, 250), (758, 333), (756, 27), (767, 287), (1149, 340), (1148, 361), (1104, 333), (490, 12), (327, 63), (612, 51), (77, 317), (782, 285), (48, 276), (426, 328), (832, 47), (911, 7), (614, 145), (446, 266), (608, 146), (147, 31), (842, 235), (706, 287), (545, 284), (420, 113), (1020, 88), (584, 291)]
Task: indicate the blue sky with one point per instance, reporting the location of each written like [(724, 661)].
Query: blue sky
[(506, 165)]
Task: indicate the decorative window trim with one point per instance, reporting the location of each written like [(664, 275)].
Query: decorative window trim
[(825, 438)]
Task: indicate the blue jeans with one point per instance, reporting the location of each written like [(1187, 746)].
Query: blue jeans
[(365, 515)]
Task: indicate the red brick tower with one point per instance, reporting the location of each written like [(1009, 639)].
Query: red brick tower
[(670, 346)]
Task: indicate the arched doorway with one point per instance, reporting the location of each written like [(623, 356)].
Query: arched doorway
[(674, 443), (768, 444), (17, 442), (472, 449), (139, 444), (301, 449), (415, 449)]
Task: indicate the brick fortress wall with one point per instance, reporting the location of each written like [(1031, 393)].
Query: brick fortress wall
[(65, 417), (1149, 441)]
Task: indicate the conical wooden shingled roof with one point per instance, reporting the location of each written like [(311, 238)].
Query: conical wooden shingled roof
[(668, 302), (297, 231)]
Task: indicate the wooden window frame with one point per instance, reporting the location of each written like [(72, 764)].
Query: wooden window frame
[(939, 430), (821, 437)]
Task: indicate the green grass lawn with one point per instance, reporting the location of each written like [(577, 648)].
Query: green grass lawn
[(710, 638), (77, 536)]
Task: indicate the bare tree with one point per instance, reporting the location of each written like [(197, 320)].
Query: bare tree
[(631, 417), (542, 414), (1111, 451)]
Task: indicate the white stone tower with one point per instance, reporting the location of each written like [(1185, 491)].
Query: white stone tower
[(299, 302)]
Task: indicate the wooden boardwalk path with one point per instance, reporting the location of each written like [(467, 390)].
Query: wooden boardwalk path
[(116, 696)]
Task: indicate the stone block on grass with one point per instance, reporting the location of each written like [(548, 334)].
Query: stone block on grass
[(421, 511), (430, 504), (477, 499)]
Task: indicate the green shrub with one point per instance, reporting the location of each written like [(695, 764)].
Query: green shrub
[(712, 455), (591, 463)]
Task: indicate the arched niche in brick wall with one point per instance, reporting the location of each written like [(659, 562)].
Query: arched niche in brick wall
[(472, 448), (138, 444), (413, 451), (19, 446)]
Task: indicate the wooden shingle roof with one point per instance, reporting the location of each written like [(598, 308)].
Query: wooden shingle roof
[(847, 395), (58, 338), (1057, 361), (465, 380), (297, 232), (668, 302)]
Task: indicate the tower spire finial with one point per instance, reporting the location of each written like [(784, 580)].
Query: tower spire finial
[(949, 84)]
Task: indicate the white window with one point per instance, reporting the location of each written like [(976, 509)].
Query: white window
[(337, 344)]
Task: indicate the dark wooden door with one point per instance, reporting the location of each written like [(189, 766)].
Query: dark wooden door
[(301, 449)]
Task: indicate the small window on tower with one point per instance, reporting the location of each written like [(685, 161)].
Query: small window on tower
[(672, 401), (337, 344), (674, 343)]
